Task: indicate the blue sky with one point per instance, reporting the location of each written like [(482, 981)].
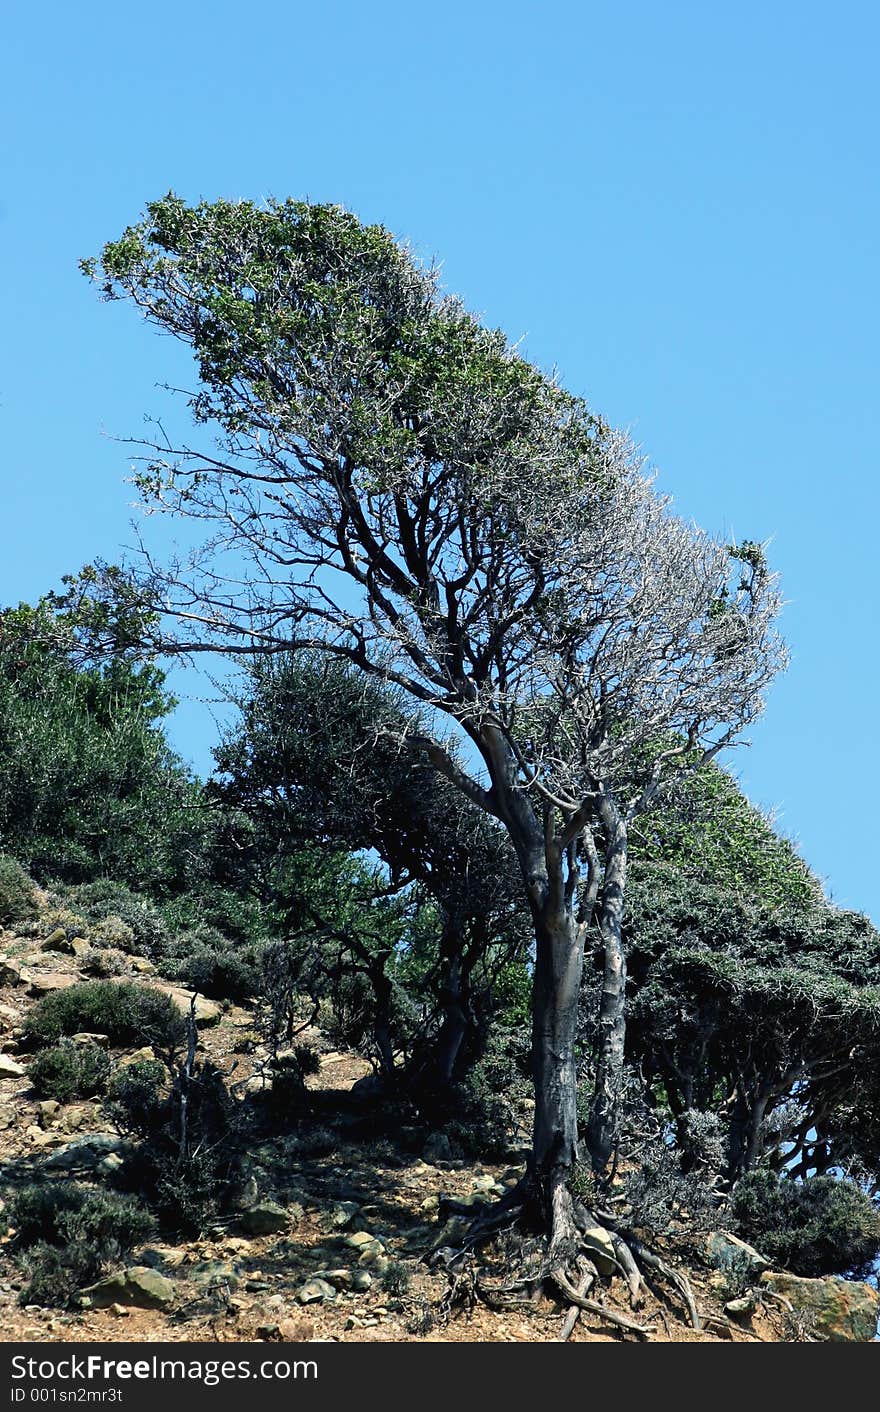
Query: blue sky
[(677, 205)]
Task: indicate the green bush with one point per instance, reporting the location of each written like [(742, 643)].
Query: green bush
[(105, 900), (127, 1013), (821, 1226), (67, 1071), (18, 897), (206, 961), (65, 1234)]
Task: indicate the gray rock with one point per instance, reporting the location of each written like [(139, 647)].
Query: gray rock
[(9, 1069), (265, 1218), (342, 1214), (138, 1286), (437, 1148), (725, 1251), (315, 1290)]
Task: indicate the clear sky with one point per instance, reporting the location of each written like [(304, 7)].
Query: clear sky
[(675, 204)]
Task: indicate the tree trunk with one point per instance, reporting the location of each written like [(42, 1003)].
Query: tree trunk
[(558, 967), (602, 1129)]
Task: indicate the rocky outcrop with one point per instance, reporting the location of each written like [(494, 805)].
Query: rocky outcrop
[(840, 1311)]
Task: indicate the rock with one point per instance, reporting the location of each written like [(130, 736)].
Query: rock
[(315, 1290), (77, 1116), (144, 967), (725, 1251), (265, 1218), (295, 1330), (215, 1272), (841, 1311), (339, 1279), (342, 1214), (79, 946), (437, 1148), (208, 1012), (9, 1069), (429, 1204), (87, 1037), (87, 1152), (741, 1308), (10, 971), (359, 1240), (8, 1116), (137, 1056), (486, 1183), (139, 1286), (361, 1281), (168, 1255), (47, 981), (57, 941), (47, 1110), (601, 1250)]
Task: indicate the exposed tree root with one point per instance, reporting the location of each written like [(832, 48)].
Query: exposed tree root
[(566, 1258)]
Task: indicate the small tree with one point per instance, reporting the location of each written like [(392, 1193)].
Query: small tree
[(396, 486)]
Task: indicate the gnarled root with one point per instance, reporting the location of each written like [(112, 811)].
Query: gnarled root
[(567, 1258)]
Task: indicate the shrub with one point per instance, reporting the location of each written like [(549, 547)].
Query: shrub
[(67, 1071), (65, 1234), (18, 896), (395, 1279), (101, 964), (127, 1013), (185, 1159), (106, 901), (820, 1226), (209, 963)]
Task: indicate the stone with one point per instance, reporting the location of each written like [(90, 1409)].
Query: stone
[(339, 1279), (10, 971), (8, 1116), (429, 1204), (841, 1311), (79, 946), (215, 1272), (601, 1250), (359, 1240), (137, 1056), (313, 1291), (47, 981), (57, 941), (143, 966), (87, 1152), (741, 1308), (208, 1012), (361, 1281), (342, 1214), (47, 1110), (87, 1037), (138, 1286), (725, 1251), (437, 1148), (265, 1218), (169, 1255), (9, 1069), (295, 1330)]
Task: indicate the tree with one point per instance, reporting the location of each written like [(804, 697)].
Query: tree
[(89, 786), (396, 486), (315, 757)]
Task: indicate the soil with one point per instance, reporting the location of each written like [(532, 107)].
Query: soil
[(232, 1286)]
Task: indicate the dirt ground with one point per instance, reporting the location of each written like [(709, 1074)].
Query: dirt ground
[(233, 1285)]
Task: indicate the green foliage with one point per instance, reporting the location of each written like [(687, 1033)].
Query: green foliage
[(207, 962), (88, 783), (67, 1071), (106, 899), (18, 900), (820, 1226), (705, 829), (65, 1234), (127, 1013), (396, 1278)]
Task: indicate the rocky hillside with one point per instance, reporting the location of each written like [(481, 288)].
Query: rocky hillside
[(336, 1218)]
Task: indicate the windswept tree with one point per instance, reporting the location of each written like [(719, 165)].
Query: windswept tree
[(393, 484)]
